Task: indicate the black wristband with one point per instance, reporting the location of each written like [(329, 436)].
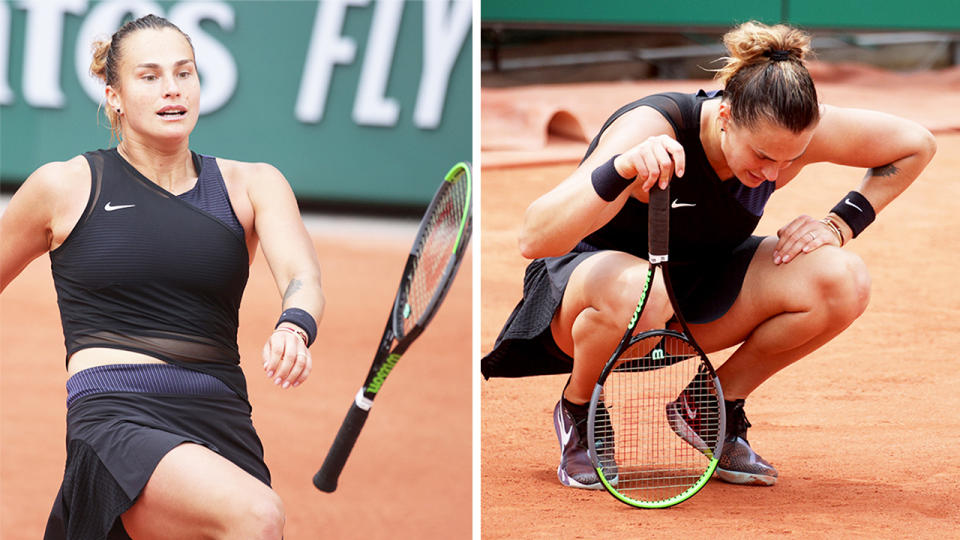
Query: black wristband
[(856, 211), (302, 319), (607, 182)]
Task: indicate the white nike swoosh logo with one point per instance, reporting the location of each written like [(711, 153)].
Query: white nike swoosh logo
[(566, 433), (847, 201), (691, 412), (109, 207), (677, 204)]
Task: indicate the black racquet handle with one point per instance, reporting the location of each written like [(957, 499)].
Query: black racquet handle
[(659, 223), (326, 477)]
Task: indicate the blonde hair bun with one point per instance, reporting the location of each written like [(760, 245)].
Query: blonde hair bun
[(98, 65), (754, 42), (764, 77)]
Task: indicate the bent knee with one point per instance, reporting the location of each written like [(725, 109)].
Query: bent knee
[(656, 312), (623, 298), (604, 290), (261, 517), (842, 282), (269, 516)]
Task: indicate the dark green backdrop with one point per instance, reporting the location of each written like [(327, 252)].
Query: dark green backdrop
[(863, 14), (337, 158)]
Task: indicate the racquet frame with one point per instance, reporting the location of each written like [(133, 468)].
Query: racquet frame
[(386, 358), (658, 239)]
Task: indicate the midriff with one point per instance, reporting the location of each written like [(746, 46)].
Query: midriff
[(100, 356)]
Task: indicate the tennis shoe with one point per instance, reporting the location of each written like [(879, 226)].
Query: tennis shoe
[(738, 463), (603, 433), (688, 419), (576, 467)]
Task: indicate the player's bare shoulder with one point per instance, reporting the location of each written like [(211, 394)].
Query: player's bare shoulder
[(60, 190), (254, 188), (630, 129), (61, 179), (251, 177), (247, 171), (638, 124), (51, 200)]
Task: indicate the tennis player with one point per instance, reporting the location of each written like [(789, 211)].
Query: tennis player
[(723, 154), (150, 246)]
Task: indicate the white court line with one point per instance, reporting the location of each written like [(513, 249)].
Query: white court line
[(374, 228)]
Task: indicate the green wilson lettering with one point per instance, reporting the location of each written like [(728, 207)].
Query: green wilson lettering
[(382, 373), (636, 312)]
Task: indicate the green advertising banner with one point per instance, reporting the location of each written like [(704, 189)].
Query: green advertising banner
[(853, 14), (628, 12), (355, 101)]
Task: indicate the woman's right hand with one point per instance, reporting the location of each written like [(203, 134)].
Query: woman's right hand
[(653, 161), (556, 221), (286, 358)]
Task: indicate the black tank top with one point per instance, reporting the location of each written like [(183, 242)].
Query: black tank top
[(709, 217), (146, 271)]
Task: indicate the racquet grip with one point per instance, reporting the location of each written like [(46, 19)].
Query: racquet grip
[(326, 478), (659, 223)]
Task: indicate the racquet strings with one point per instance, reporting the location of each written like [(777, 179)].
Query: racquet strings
[(654, 462), (435, 250)]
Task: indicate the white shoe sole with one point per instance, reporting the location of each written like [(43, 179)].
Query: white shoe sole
[(570, 481), (746, 479)]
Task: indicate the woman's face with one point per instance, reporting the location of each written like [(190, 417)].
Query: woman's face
[(159, 91), (761, 152)]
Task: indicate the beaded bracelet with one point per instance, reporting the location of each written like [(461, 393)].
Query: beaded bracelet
[(297, 332), (302, 320), (833, 227)]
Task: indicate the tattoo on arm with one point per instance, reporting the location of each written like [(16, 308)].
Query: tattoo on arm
[(885, 170), (294, 286)]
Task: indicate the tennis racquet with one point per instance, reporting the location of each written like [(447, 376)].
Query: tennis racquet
[(431, 266), (656, 419)]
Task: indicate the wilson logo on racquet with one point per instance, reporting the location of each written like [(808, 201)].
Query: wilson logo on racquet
[(642, 380), (441, 252), (636, 312), (382, 373)]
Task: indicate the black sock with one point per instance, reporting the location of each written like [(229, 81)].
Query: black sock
[(737, 423), (579, 412)]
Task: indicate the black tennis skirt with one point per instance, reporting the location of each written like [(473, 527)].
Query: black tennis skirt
[(120, 427), (525, 346)]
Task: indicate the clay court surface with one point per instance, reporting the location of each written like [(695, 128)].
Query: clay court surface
[(408, 477), (864, 431)]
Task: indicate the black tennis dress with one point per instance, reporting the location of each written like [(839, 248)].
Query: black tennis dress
[(711, 245), (148, 271)]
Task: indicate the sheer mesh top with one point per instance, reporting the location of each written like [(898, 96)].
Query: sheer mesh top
[(146, 271)]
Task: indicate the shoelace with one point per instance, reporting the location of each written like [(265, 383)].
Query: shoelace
[(737, 423), (580, 424)]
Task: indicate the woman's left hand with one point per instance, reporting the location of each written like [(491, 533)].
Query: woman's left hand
[(286, 358), (802, 235)]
